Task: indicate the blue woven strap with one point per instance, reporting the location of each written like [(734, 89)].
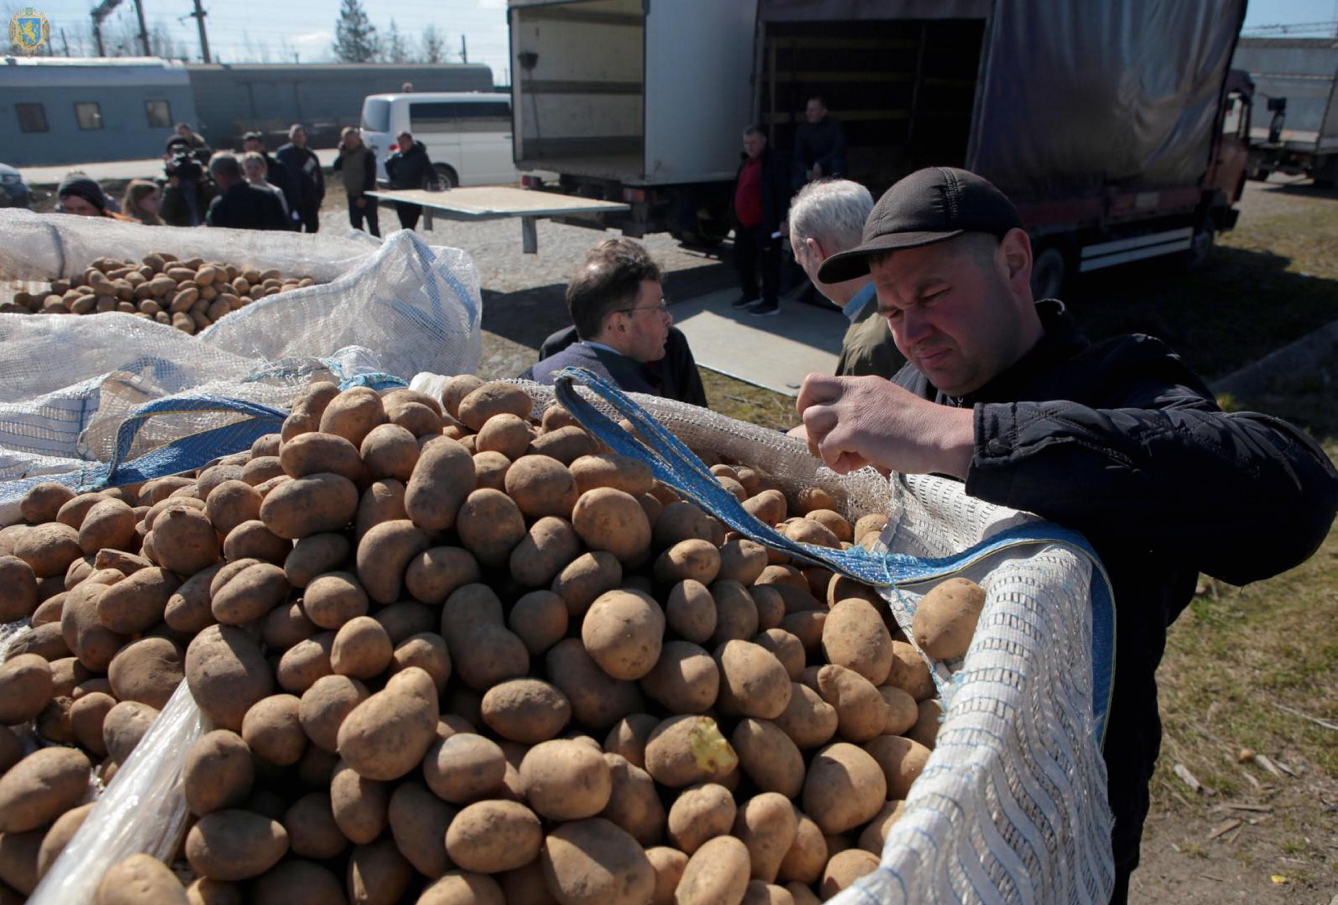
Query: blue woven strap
[(674, 464)]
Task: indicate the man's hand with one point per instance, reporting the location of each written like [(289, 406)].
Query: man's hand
[(856, 421), (360, 202)]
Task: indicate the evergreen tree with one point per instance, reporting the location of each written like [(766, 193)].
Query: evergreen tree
[(396, 48), (355, 35), (434, 45)]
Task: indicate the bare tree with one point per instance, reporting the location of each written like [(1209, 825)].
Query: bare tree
[(395, 49), (434, 45)]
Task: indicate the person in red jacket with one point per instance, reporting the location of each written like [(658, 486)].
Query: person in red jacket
[(761, 199)]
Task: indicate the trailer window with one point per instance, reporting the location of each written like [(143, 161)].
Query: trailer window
[(88, 115), (32, 117), (376, 115), (159, 114)]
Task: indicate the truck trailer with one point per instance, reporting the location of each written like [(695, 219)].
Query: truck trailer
[(1104, 122), (1295, 128)]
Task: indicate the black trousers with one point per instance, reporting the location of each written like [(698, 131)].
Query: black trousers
[(408, 214), (753, 246), (368, 211), (309, 214), (1120, 895)]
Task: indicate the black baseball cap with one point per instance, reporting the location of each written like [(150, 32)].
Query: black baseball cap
[(927, 206)]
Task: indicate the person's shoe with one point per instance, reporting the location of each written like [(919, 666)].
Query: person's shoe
[(743, 302), (764, 309)]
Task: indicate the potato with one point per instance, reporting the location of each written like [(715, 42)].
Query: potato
[(406, 618), (386, 736), (185, 541), (18, 860), (860, 710), (463, 888), (768, 757), (622, 631), (613, 521), (855, 636), (43, 501), (48, 549), (685, 679), (425, 650), (418, 821), (235, 845), (490, 525), (692, 558), (218, 772), (628, 737), (945, 618), (526, 710), (566, 444), (362, 649), (716, 874), (902, 712), (324, 706), (565, 780), (736, 613), (910, 672), (669, 864), (46, 641), (297, 883), (273, 730), (262, 469), (352, 414), (125, 726), (767, 825), (317, 452), (539, 620), (491, 399), (312, 830), (585, 578), (752, 681), (248, 594), (138, 602), (463, 767), (334, 598), (769, 506), (41, 787), (691, 611), (18, 589), (147, 671), (435, 573), (360, 805), (686, 749), (25, 688), (227, 673), (610, 470), (550, 544), (188, 608), (506, 433), (699, 813), (60, 834), (88, 714), (110, 523), (808, 720), (634, 803), (807, 855), (845, 868), (597, 699), (493, 836), (313, 504), (929, 715), (490, 470), (845, 787), (902, 760), (442, 478), (87, 638), (383, 555), (139, 880), (389, 451), (594, 862), (314, 555), (874, 834)]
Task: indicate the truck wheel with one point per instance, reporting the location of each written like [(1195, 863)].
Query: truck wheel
[(1048, 273)]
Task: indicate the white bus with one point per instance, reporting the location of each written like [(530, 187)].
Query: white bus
[(467, 134)]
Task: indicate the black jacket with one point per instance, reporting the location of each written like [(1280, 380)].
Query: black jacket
[(1123, 442), (305, 186), (674, 377), (823, 143), (246, 206), (410, 169), (775, 190)]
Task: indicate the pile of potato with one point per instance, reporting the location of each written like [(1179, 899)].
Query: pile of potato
[(189, 295), (454, 656)]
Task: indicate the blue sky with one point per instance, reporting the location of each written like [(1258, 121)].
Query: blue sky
[(265, 31)]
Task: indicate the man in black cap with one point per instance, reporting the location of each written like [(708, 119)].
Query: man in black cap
[(1116, 439), (79, 194)]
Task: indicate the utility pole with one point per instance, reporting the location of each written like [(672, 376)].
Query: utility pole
[(198, 16), (143, 32), (64, 43), (464, 51)]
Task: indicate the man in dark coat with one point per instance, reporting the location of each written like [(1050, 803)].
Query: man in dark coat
[(409, 168), (1117, 439), (819, 144), (760, 199), (358, 164), (306, 182), (622, 328), (242, 205)]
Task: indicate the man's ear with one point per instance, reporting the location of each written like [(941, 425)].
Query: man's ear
[(815, 248), (1015, 254)]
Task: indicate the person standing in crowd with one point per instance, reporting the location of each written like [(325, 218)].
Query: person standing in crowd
[(242, 205), (257, 173), (622, 328), (827, 217), (188, 191), (198, 146), (761, 196), (1117, 439), (409, 168), (275, 173), (142, 201), (406, 88), (306, 181), (819, 144), (80, 194), (358, 164)]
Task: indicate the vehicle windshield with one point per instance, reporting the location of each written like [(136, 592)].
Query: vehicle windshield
[(376, 115)]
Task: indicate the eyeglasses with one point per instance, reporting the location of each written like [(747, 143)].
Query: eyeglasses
[(662, 307)]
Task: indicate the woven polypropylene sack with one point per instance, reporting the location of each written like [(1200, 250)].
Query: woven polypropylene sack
[(1011, 807)]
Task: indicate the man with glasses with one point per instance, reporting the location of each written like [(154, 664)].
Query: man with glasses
[(622, 329)]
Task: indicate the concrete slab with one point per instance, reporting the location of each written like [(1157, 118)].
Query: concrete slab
[(771, 352)]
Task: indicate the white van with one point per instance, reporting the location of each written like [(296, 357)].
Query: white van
[(467, 133)]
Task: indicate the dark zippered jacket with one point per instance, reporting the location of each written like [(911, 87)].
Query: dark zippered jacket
[(1120, 440)]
